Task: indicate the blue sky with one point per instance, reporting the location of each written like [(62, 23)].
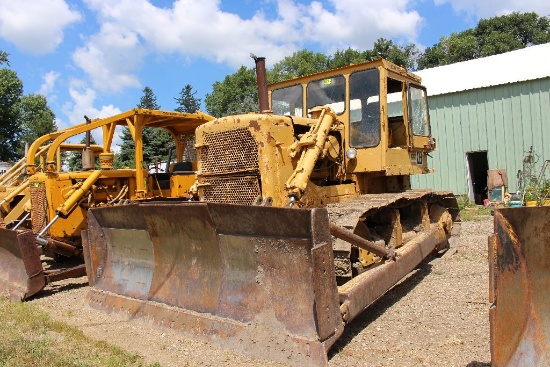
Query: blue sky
[(94, 57)]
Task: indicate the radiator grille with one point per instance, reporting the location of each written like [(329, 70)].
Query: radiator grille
[(39, 209), (233, 190), (229, 151)]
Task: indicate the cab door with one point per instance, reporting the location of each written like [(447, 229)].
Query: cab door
[(419, 118)]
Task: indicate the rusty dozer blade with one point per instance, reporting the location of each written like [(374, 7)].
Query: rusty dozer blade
[(255, 279), (519, 264), (21, 273)]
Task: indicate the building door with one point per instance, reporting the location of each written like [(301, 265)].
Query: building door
[(477, 167)]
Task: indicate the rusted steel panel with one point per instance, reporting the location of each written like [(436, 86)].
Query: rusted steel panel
[(324, 281), (256, 279), (21, 273), (520, 275)]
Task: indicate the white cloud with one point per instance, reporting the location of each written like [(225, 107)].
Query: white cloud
[(47, 88), (490, 8), (133, 29), (35, 26), (110, 58), (81, 104)]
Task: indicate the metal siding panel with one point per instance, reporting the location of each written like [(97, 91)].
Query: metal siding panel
[(464, 122), (482, 123), (491, 144), (535, 108), (447, 173), (439, 160), (473, 120), (532, 130), (521, 128), (434, 180), (504, 120), (439, 125), (517, 129), (495, 108), (542, 112), (456, 138), (539, 109)]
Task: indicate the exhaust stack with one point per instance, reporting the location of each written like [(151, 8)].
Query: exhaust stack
[(261, 77), (87, 154)]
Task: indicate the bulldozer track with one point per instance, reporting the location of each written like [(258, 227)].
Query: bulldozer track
[(364, 208), (349, 213)]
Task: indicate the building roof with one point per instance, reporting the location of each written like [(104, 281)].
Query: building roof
[(525, 64)]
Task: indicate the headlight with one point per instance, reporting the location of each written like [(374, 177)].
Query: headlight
[(351, 153)]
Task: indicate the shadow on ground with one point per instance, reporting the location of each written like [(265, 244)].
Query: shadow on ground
[(478, 364), (379, 307)]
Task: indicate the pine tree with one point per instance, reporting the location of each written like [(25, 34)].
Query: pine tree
[(156, 142), (187, 101)]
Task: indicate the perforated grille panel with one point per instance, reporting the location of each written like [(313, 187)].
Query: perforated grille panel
[(229, 152), (233, 190), (39, 208)]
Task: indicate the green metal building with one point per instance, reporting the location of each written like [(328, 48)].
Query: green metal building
[(487, 114)]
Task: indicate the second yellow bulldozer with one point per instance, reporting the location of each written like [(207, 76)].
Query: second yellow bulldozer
[(46, 206), (303, 217)]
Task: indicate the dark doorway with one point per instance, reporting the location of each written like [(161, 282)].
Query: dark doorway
[(477, 176)]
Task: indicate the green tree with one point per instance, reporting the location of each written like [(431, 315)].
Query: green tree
[(525, 28), (148, 100), (156, 141), (237, 94), (346, 57), (490, 37), (4, 58), (401, 55), (300, 63), (432, 57), (36, 118), (462, 47), (187, 102), (125, 157), (11, 89)]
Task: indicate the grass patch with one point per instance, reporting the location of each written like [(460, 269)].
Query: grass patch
[(478, 213), (29, 337), (472, 212)]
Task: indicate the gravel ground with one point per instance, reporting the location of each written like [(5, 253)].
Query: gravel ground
[(437, 317)]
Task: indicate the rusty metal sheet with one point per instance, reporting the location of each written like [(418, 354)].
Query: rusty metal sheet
[(21, 273), (519, 263), (255, 279)]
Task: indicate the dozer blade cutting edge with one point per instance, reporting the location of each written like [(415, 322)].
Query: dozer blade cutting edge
[(21, 273), (255, 279), (519, 264)]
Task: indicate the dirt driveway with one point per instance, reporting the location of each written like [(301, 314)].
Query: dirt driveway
[(438, 317)]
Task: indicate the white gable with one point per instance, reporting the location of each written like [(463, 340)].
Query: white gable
[(525, 64)]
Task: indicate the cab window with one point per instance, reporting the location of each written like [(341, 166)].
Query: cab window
[(329, 92), (287, 101), (365, 108), (419, 111)]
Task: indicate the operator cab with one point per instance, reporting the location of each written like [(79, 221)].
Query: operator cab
[(383, 109)]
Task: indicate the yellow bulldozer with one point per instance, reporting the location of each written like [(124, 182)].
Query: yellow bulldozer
[(46, 208), (14, 183), (303, 216)]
